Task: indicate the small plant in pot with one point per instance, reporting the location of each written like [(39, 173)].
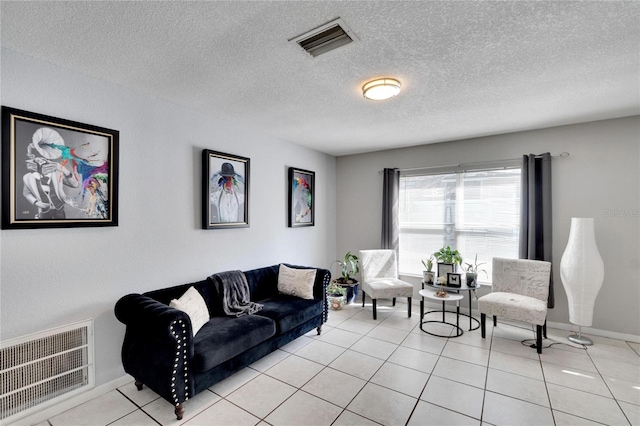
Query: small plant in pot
[(428, 274), (336, 295), (471, 272), (448, 255), (348, 268)]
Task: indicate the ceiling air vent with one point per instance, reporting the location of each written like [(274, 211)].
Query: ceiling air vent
[(325, 38)]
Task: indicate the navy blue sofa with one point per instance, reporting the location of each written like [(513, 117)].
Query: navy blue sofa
[(159, 350)]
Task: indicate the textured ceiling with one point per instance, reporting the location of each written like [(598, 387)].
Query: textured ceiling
[(467, 68)]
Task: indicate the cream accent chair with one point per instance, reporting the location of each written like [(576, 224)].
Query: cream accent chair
[(520, 292), (379, 273)]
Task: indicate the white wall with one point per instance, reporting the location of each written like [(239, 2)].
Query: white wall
[(51, 277), (600, 179)]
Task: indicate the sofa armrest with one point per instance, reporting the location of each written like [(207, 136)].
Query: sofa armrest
[(323, 277), (158, 346)]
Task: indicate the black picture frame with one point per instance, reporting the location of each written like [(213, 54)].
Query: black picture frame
[(225, 190), (301, 206), (454, 280), (57, 173), (444, 269)]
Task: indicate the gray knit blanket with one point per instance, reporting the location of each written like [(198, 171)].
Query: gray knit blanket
[(234, 289)]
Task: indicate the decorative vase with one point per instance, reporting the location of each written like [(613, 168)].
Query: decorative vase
[(471, 278), (336, 302), (581, 271)]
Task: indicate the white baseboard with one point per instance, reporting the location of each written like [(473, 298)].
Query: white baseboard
[(72, 402)]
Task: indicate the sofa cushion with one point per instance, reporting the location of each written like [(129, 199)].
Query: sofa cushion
[(192, 303), (296, 282), (222, 338), (289, 312)]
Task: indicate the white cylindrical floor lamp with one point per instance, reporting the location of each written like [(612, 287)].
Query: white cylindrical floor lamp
[(582, 274)]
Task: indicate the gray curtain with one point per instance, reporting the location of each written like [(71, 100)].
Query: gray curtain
[(535, 212), (390, 200)]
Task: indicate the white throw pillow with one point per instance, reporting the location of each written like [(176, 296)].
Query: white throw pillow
[(193, 305), (296, 282)]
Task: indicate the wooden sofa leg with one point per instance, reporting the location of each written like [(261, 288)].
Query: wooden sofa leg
[(139, 385), (179, 411), (483, 322), (319, 329)]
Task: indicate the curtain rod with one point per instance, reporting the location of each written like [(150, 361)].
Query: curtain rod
[(562, 154)]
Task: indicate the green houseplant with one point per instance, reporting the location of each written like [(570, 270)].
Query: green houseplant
[(346, 283), (471, 271), (428, 274), (349, 267), (448, 255)]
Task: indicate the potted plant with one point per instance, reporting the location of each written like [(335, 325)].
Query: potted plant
[(349, 267), (471, 272), (428, 274), (336, 295), (448, 255)]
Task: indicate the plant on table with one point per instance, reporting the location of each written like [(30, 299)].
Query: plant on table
[(349, 267), (428, 274), (471, 271), (448, 255)]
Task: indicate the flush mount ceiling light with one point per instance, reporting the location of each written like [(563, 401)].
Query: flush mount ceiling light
[(381, 89)]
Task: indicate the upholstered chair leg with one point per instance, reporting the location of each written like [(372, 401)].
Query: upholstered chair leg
[(363, 298), (495, 321), (375, 316), (544, 329), (409, 306), (394, 301), (179, 411), (539, 338), (483, 320), (319, 330), (139, 385)]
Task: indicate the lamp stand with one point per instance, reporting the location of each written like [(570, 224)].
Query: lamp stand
[(580, 339)]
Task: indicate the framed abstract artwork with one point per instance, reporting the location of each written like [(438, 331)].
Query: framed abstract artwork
[(301, 197), (225, 190), (57, 173)]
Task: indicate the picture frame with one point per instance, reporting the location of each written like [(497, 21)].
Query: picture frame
[(57, 173), (225, 190), (454, 280), (301, 192), (444, 269)]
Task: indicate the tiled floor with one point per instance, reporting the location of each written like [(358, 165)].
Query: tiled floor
[(365, 372)]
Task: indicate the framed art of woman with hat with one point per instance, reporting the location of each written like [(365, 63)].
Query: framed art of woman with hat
[(225, 190)]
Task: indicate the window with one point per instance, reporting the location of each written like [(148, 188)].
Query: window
[(475, 212)]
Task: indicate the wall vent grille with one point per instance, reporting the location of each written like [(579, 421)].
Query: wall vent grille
[(325, 38), (41, 369)]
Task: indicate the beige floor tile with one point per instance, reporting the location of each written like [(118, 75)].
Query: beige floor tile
[(632, 412), (340, 337), (272, 393), (461, 398), (415, 359), (374, 347), (298, 343), (618, 369), (137, 418), (321, 352), (513, 347), (223, 413), (426, 413), (460, 371), (516, 386), (424, 342), (139, 397), (581, 361), (564, 419), (502, 410), (586, 381), (516, 365), (357, 326), (391, 335), (357, 364), (102, 410), (401, 379), (334, 386), (466, 353), (295, 370), (587, 405), (268, 361), (347, 418), (623, 390), (383, 405), (316, 411)]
